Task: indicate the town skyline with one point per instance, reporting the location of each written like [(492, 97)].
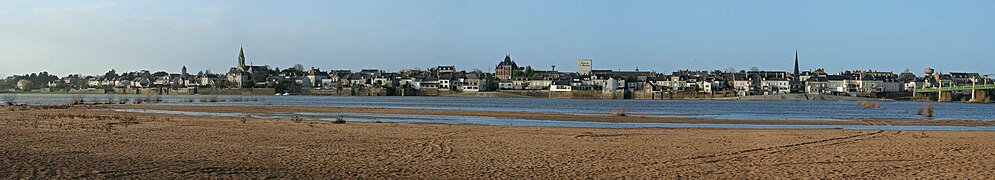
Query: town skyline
[(510, 76), (91, 37)]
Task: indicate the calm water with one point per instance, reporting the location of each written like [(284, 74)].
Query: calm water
[(716, 109), (438, 119)]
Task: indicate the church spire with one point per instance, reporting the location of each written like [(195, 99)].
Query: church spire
[(241, 59), (796, 64), (796, 85)]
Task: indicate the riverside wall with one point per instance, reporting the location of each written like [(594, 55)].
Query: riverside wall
[(576, 94), (579, 94), (244, 91)]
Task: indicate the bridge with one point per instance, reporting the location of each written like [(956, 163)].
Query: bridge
[(957, 88), (978, 93)]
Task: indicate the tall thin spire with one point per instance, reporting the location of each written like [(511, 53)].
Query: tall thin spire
[(796, 85), (796, 64), (241, 59)]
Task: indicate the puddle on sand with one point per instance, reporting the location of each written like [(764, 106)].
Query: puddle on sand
[(482, 120)]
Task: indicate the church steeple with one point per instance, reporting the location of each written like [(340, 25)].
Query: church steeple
[(796, 85), (796, 64), (241, 59)]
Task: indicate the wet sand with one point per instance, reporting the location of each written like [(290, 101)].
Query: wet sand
[(89, 144)]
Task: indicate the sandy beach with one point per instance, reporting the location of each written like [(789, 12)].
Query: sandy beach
[(87, 143)]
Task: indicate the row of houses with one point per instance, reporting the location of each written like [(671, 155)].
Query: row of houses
[(508, 75), (744, 83), (141, 79), (447, 78), (440, 78)]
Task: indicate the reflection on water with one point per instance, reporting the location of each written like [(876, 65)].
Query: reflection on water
[(480, 120), (716, 109)]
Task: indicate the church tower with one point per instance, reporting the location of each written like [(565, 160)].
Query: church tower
[(796, 66), (241, 59), (796, 85), (183, 73)]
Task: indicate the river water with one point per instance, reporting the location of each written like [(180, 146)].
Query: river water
[(712, 109), (448, 119)]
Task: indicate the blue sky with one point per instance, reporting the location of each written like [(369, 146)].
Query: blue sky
[(91, 37)]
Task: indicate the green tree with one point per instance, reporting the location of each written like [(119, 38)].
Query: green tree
[(128, 76), (143, 74), (528, 71), (112, 74), (160, 74), (287, 86)]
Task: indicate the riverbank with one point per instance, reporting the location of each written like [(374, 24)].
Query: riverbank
[(81, 143), (801, 97), (497, 94)]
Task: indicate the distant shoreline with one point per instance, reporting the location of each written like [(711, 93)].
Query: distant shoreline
[(496, 94)]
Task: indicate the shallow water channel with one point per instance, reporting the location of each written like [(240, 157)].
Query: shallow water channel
[(708, 109), (483, 120)]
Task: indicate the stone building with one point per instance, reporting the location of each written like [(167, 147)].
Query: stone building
[(244, 76), (506, 69)]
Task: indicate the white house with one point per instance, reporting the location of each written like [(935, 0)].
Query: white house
[(838, 85), (123, 83), (466, 88), (561, 86), (506, 85), (304, 81), (743, 87), (531, 83), (428, 84), (445, 83), (869, 85), (775, 86), (913, 85), (141, 82), (611, 84), (817, 85), (383, 81), (93, 83), (706, 87), (409, 82)]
